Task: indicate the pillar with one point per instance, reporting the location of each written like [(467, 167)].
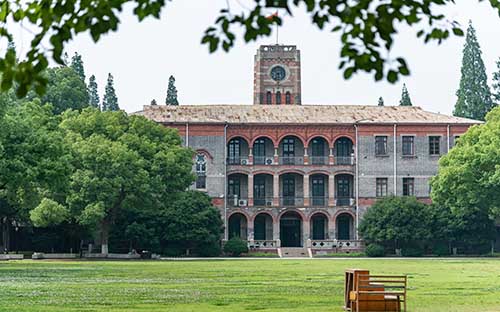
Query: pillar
[(276, 190), (250, 190), (331, 228), (331, 160), (276, 156), (306, 229), (331, 190), (306, 190), (276, 229), (250, 156), (306, 156)]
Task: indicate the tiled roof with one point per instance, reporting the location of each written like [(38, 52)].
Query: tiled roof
[(297, 114)]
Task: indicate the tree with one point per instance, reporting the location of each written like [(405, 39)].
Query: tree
[(397, 222), (192, 222), (474, 96), (77, 65), (405, 97), (468, 181), (65, 90), (153, 102), (34, 162), (368, 29), (380, 101), (496, 84), (171, 92), (120, 163), (93, 93), (110, 101)]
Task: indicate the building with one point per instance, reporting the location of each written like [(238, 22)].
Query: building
[(292, 175)]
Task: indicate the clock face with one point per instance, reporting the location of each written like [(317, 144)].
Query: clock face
[(278, 73)]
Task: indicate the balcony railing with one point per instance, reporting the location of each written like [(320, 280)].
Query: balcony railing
[(318, 160), (319, 201), (263, 160), (237, 160), (344, 201), (292, 201), (344, 160), (263, 201), (237, 201), (291, 160)]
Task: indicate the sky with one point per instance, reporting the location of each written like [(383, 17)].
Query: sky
[(142, 56)]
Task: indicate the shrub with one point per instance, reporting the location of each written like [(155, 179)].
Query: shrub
[(375, 250), (412, 251), (235, 246), (441, 250), (209, 249)]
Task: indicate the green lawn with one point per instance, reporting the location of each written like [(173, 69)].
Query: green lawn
[(238, 285)]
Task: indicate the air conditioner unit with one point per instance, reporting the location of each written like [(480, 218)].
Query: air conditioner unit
[(351, 201), (242, 202), (235, 200), (269, 160), (269, 202), (244, 162)]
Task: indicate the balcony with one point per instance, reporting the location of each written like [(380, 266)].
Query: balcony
[(344, 201), (237, 201), (319, 201), (344, 160), (318, 160), (291, 201), (291, 160)]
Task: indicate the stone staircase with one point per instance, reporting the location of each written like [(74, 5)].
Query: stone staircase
[(294, 252)]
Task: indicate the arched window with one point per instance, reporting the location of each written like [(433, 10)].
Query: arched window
[(234, 151), (269, 98), (278, 97), (288, 98), (201, 171)]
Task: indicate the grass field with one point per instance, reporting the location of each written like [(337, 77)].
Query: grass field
[(238, 285)]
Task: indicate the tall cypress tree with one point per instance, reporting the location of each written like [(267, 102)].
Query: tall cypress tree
[(380, 101), (171, 92), (77, 65), (474, 96), (110, 101), (496, 84), (405, 97), (93, 94)]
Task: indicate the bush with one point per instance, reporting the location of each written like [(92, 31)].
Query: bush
[(441, 250), (375, 250), (209, 249), (236, 246), (412, 251)]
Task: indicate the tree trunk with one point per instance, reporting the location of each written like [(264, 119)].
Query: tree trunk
[(104, 237), (5, 235)]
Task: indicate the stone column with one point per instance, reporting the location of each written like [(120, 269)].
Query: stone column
[(276, 190), (306, 229), (306, 156), (250, 156), (331, 190), (276, 230), (250, 190), (250, 233), (331, 160), (331, 229), (307, 200), (276, 156)]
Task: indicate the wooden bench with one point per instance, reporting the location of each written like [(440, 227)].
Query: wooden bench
[(364, 292)]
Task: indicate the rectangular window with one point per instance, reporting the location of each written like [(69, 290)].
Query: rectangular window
[(408, 186), (455, 140), (201, 181), (234, 187), (408, 145), (381, 187), (380, 145), (434, 145)]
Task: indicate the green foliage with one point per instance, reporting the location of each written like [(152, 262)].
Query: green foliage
[(380, 101), (171, 92), (48, 213), (441, 250), (93, 93), (405, 97), (474, 96), (368, 30), (77, 65), (375, 250), (412, 251), (110, 101), (468, 181), (496, 84), (65, 90), (235, 247), (153, 102)]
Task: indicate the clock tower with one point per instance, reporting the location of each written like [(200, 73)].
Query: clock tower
[(277, 75)]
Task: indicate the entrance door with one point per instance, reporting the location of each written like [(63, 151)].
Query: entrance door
[(318, 228), (288, 151), (318, 191), (290, 231), (260, 227), (288, 190), (259, 190), (344, 224)]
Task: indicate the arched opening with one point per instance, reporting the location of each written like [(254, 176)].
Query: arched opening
[(269, 97), (237, 151), (344, 151), (263, 190), (237, 226), (318, 151), (263, 151), (291, 151), (319, 227), (263, 227), (237, 190), (278, 97), (288, 97), (345, 226), (344, 189), (318, 186), (291, 229), (292, 189)]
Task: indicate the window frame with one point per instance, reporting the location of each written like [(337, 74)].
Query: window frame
[(433, 147), (201, 171), (412, 145), (409, 186), (381, 187), (384, 142)]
